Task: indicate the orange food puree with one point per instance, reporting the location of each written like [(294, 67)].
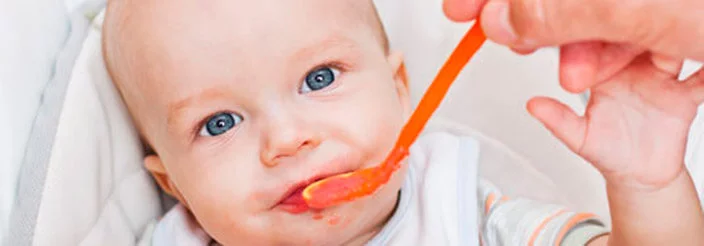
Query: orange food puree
[(346, 187)]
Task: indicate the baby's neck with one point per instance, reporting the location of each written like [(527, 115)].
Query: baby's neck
[(368, 235), (364, 238)]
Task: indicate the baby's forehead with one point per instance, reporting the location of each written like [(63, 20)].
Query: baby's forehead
[(196, 32), (213, 22)]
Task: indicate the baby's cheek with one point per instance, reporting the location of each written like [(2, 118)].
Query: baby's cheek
[(388, 126), (220, 208), (228, 226)]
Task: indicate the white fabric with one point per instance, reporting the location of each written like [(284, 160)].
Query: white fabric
[(438, 203), (96, 191), (695, 146), (32, 32), (519, 221), (30, 184), (178, 228), (688, 68), (73, 5), (695, 153)]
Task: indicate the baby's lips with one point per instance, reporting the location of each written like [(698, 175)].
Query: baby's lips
[(330, 192), (343, 188), (350, 186), (294, 203)]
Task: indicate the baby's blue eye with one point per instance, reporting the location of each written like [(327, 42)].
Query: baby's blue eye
[(219, 124), (319, 79)]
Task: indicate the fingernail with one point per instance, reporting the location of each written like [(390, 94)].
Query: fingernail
[(498, 19)]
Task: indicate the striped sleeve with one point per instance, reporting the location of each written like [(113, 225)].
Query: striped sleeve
[(506, 221)]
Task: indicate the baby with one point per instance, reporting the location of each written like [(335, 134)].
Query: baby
[(244, 103)]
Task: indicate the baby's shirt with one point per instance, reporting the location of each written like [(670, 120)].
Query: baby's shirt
[(442, 202)]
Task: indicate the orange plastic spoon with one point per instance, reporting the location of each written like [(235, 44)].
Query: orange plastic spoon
[(349, 186)]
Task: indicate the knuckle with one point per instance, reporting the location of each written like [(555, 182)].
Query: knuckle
[(528, 17)]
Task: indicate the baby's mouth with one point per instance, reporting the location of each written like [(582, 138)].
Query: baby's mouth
[(292, 201)]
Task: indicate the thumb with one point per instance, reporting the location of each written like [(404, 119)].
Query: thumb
[(553, 22), (663, 26), (560, 120), (462, 10)]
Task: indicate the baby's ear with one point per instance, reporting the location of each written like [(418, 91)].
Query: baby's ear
[(156, 168), (395, 60)]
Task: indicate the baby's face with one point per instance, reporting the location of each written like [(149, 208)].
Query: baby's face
[(246, 102)]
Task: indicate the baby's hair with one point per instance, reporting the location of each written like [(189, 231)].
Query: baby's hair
[(379, 29), (113, 26)]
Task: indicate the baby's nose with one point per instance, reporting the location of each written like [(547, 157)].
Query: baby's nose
[(285, 140)]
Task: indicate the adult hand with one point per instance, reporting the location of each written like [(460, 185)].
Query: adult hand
[(598, 38)]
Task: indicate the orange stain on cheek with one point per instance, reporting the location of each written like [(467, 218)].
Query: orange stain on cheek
[(334, 220)]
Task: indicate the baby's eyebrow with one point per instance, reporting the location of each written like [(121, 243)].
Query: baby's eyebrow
[(178, 108), (331, 42)]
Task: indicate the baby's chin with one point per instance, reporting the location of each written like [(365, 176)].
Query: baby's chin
[(357, 220), (332, 226)]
